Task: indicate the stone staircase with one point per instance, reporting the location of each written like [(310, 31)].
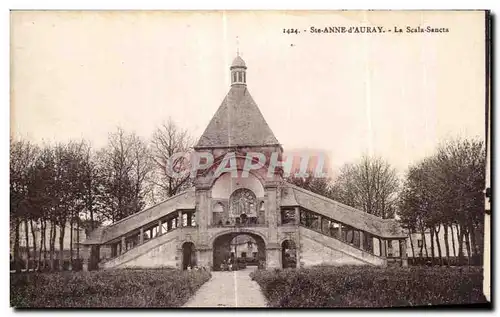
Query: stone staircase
[(143, 255), (319, 248)]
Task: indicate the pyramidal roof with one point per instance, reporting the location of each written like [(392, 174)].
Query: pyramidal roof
[(238, 121)]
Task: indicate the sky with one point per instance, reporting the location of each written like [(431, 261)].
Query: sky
[(80, 75)]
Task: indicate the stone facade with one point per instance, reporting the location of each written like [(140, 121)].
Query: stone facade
[(196, 227)]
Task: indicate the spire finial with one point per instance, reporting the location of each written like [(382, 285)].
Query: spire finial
[(237, 46)]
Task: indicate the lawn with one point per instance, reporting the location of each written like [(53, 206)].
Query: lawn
[(364, 286), (113, 288)]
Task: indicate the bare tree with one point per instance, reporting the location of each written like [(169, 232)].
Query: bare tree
[(92, 188), (126, 165), (319, 185), (168, 140), (95, 206), (23, 155), (370, 185), (67, 191), (44, 200), (462, 172), (345, 188), (445, 190)]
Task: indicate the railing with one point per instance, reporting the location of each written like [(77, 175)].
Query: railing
[(238, 225), (392, 260), (145, 241), (336, 238), (239, 222)]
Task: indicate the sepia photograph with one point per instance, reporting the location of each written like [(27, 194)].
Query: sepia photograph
[(250, 159)]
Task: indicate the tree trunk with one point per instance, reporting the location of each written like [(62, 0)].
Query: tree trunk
[(411, 244), (446, 245), (71, 245), (42, 243), (27, 238), (52, 244), (424, 244), (92, 219), (33, 234), (453, 241), (45, 243), (475, 249), (431, 229), (16, 247), (460, 234), (51, 252), (78, 238), (467, 243), (479, 237), (436, 231), (61, 246)]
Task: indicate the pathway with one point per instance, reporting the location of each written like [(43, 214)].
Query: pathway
[(229, 289)]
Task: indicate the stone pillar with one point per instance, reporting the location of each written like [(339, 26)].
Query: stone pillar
[(124, 245), (273, 256), (340, 232), (94, 258), (208, 217), (299, 259), (383, 248), (272, 209), (297, 215), (320, 223), (179, 258), (197, 258), (402, 252), (272, 248), (361, 240), (204, 257), (141, 235), (179, 223), (298, 248), (203, 209), (160, 228)]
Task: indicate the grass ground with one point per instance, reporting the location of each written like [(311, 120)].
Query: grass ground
[(371, 286), (113, 288)]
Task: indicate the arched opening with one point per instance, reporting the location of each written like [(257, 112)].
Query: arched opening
[(288, 254), (218, 214), (238, 250), (243, 206), (188, 255), (226, 184)]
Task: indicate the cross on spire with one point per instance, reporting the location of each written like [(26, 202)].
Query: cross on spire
[(237, 46)]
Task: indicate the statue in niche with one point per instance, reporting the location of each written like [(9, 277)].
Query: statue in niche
[(243, 202)]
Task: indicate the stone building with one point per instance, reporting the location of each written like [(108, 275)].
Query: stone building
[(244, 246), (196, 227)]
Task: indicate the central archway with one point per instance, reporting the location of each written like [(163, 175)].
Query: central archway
[(245, 248)]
